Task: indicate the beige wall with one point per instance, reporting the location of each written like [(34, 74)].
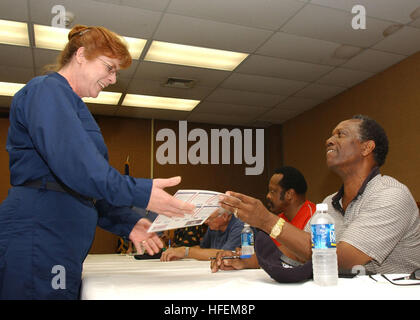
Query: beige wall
[(391, 97), (220, 177)]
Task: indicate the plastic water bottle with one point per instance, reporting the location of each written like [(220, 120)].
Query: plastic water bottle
[(247, 242), (324, 255)]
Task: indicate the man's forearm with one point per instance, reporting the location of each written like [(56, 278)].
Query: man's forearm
[(296, 240), (251, 263), (201, 253)]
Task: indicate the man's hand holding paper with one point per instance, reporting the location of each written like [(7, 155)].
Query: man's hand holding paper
[(205, 203)]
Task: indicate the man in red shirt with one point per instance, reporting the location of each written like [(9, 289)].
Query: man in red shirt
[(286, 197)]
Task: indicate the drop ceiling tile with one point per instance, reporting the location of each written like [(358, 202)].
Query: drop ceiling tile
[(16, 74), (405, 41), (120, 86), (16, 10), (299, 103), (244, 97), (415, 23), (219, 118), (228, 109), (155, 5), (209, 34), (15, 56), (162, 71), (279, 115), (264, 14), (373, 61), (282, 68), (334, 25), (398, 11), (108, 1), (137, 22), (247, 82), (44, 57), (344, 77), (155, 88), (149, 113), (293, 47), (260, 123), (130, 71), (318, 91)]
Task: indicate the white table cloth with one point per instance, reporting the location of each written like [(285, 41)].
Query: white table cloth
[(113, 276)]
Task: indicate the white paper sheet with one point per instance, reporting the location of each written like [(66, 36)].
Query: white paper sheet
[(206, 202)]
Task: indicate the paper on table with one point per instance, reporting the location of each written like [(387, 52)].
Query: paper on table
[(206, 202)]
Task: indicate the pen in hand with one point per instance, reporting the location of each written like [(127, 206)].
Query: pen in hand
[(227, 257)]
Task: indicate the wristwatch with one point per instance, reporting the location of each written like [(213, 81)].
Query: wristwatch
[(187, 251), (277, 228)]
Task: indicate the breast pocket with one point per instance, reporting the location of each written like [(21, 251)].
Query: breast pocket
[(93, 130), (88, 122)]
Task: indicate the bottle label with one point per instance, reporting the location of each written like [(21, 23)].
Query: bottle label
[(247, 244), (323, 236)]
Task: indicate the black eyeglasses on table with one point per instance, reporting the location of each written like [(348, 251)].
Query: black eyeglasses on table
[(415, 275)]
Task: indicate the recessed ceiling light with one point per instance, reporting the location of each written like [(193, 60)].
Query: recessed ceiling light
[(105, 97), (9, 88), (135, 46), (142, 101), (47, 37), (13, 32), (194, 56)]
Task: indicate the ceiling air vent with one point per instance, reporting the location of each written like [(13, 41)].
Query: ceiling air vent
[(179, 83)]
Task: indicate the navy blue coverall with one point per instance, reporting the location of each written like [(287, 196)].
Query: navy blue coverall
[(53, 137)]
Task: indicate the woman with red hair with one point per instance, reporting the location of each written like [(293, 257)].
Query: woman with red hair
[(62, 183)]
